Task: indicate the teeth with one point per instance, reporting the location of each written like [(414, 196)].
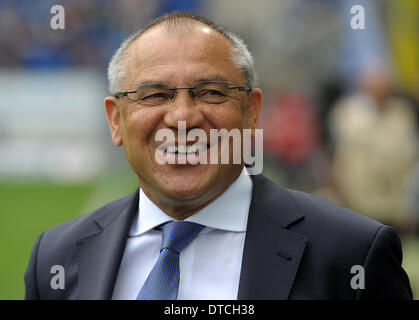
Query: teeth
[(185, 149), (193, 148), (171, 149)]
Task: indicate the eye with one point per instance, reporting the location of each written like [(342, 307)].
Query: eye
[(157, 95), (212, 96), (212, 92)]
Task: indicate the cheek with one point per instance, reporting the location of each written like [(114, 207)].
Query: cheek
[(140, 123), (225, 117)]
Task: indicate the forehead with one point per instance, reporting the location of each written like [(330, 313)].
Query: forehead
[(167, 55)]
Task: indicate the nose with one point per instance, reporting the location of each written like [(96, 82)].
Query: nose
[(184, 108)]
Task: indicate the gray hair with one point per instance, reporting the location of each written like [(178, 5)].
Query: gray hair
[(241, 56)]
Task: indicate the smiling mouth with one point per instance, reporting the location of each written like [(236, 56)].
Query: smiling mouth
[(182, 149), (191, 153)]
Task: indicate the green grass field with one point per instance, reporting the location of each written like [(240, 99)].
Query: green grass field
[(28, 209)]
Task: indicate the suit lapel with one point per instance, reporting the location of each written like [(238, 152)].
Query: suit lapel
[(100, 253), (272, 253)]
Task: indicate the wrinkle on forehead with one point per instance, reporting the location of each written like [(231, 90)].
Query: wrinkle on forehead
[(160, 46)]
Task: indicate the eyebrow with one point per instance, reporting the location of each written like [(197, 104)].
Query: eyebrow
[(152, 84), (213, 78), (160, 84)]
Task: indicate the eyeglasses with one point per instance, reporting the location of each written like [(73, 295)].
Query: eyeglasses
[(156, 94)]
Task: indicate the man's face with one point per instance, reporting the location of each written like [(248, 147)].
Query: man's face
[(179, 61)]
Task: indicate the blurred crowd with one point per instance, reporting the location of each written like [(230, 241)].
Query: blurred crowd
[(341, 112), (93, 29)]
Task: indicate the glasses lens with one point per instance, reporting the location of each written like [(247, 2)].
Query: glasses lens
[(151, 96), (212, 92)]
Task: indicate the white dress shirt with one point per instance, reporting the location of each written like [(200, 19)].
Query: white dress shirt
[(210, 266)]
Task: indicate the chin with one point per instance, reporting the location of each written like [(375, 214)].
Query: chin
[(191, 185), (183, 194), (184, 188)]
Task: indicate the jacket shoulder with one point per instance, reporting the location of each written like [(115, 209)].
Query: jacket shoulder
[(58, 240), (341, 239), (58, 245), (83, 226), (322, 211), (300, 210)]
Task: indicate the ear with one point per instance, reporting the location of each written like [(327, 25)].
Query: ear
[(254, 109), (113, 116)]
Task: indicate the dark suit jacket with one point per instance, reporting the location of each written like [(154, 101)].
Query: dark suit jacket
[(297, 247)]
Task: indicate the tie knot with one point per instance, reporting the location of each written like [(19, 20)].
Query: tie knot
[(177, 235)]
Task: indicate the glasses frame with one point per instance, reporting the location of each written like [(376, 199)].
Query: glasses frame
[(246, 89)]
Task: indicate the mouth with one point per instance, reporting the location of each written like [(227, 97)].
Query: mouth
[(190, 153), (182, 149)]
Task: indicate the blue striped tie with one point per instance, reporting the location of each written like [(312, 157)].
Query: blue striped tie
[(163, 281)]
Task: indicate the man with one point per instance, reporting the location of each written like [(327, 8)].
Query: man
[(247, 238)]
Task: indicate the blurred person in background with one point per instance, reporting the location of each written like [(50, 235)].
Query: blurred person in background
[(375, 137), (292, 140)]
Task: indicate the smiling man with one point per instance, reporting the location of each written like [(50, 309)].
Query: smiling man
[(205, 229), (169, 55)]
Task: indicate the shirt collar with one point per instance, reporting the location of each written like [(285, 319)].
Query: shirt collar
[(228, 212)]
